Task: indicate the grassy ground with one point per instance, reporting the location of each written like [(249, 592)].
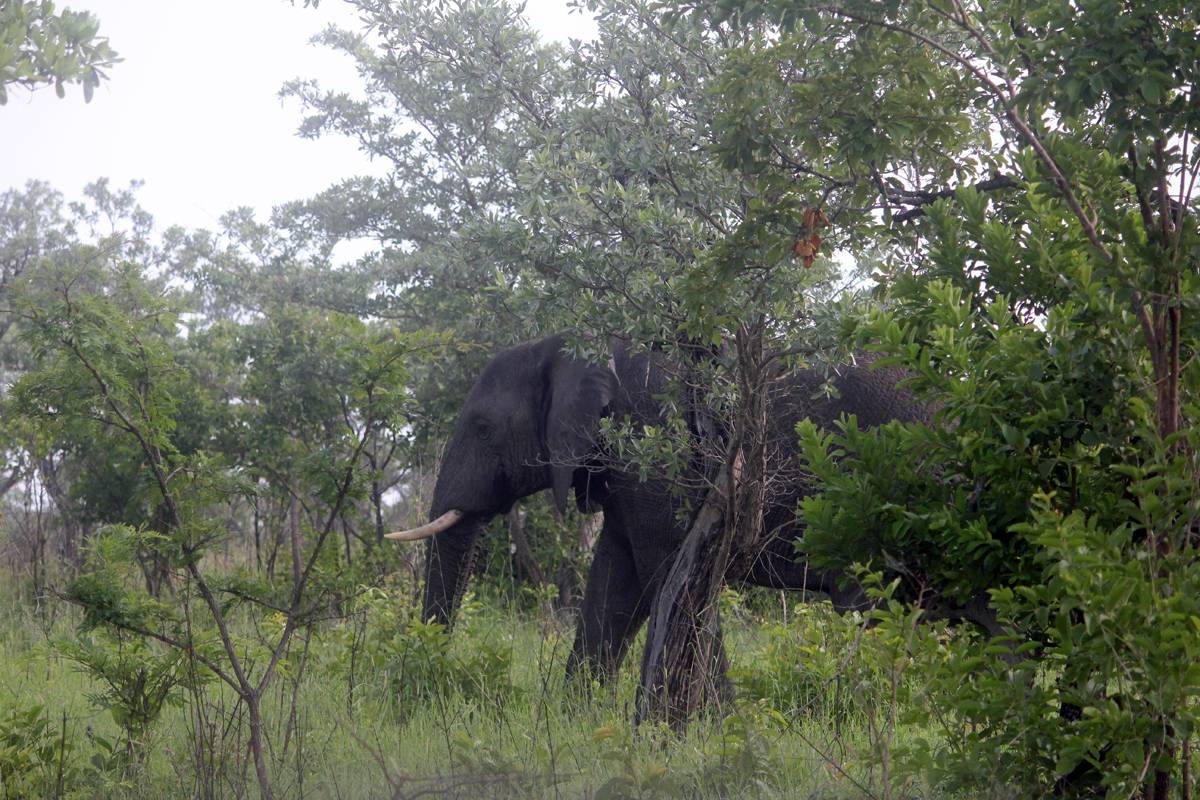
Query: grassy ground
[(371, 709)]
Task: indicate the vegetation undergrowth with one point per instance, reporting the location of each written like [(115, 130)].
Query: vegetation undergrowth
[(379, 705)]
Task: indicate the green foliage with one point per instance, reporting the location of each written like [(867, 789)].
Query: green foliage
[(1048, 484), (309, 373), (115, 373), (743, 762), (543, 188), (40, 47), (535, 744), (553, 546), (1042, 294), (106, 347), (32, 755), (1114, 634), (96, 363), (105, 591), (140, 676), (33, 225), (740, 761), (863, 122), (106, 388), (417, 665), (640, 777), (803, 670), (501, 774), (140, 680), (1026, 406), (653, 184)]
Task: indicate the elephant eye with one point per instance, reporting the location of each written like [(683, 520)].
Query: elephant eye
[(483, 431)]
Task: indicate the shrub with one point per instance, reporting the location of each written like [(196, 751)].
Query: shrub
[(33, 755)]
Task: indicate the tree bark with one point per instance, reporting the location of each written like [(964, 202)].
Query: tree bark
[(294, 531), (377, 507), (257, 536), (251, 699), (683, 664)]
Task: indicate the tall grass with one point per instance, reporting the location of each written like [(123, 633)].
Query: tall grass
[(376, 706)]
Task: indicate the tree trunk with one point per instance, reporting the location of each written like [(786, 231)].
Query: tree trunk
[(377, 507), (256, 745), (257, 536), (684, 665), (276, 540), (294, 531)]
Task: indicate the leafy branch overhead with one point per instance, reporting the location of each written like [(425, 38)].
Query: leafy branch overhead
[(39, 47)]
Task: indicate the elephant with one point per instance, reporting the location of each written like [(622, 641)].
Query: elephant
[(532, 422)]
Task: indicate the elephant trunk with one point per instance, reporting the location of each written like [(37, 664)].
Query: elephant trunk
[(449, 561)]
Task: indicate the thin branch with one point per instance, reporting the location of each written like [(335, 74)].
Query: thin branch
[(990, 185), (933, 43), (1010, 113), (159, 637)]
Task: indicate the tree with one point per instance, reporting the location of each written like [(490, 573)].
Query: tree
[(41, 47), (1044, 292), (579, 188), (86, 482), (260, 295), (102, 342), (35, 224), (1129, 85)]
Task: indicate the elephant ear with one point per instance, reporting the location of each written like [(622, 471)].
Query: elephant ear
[(579, 395)]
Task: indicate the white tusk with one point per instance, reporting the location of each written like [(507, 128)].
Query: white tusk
[(429, 529)]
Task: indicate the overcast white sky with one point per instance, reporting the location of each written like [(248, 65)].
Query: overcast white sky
[(192, 110)]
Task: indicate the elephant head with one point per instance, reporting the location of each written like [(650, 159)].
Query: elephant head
[(527, 425)]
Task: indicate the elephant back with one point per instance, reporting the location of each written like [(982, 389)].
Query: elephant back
[(871, 394)]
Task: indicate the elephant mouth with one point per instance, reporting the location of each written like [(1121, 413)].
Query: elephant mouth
[(428, 529)]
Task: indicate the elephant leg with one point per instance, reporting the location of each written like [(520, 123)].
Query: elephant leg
[(613, 610)]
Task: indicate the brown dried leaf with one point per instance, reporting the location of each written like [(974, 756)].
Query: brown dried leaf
[(806, 248)]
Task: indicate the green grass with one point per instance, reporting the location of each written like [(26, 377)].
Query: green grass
[(513, 730)]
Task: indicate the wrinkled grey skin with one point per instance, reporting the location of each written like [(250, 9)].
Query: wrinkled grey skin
[(531, 422)]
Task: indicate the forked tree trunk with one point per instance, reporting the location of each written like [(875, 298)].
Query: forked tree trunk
[(684, 664)]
